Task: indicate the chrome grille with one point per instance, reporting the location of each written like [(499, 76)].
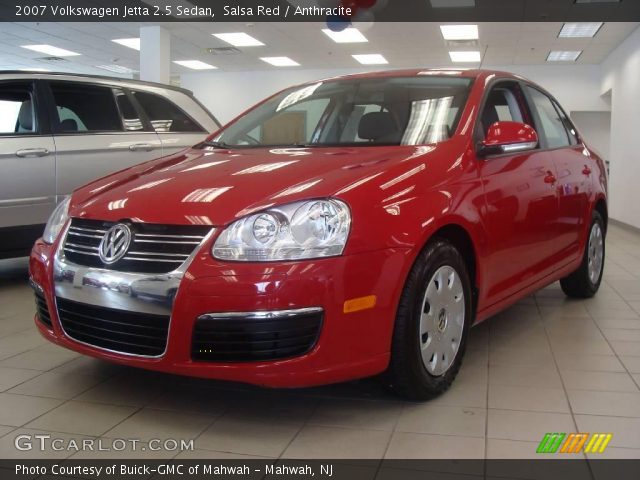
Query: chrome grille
[(154, 248)]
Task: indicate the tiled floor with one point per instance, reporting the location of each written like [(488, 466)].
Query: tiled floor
[(548, 364)]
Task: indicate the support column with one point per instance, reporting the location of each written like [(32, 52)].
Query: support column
[(155, 54)]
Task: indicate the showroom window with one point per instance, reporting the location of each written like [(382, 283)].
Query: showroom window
[(85, 108), (17, 110), (550, 121), (164, 115)]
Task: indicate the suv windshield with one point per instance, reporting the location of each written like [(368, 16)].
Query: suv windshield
[(355, 112)]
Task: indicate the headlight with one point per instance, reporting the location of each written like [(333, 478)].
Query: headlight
[(56, 221), (301, 230)]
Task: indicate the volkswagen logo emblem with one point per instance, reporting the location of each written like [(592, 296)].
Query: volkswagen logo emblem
[(115, 243)]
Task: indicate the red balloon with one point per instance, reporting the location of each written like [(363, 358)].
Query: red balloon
[(351, 4)]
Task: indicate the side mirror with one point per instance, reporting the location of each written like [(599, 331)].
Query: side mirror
[(508, 137)]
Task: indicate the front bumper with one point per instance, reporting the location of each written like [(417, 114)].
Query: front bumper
[(349, 345)]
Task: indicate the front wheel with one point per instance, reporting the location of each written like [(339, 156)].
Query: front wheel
[(431, 326), (585, 281)]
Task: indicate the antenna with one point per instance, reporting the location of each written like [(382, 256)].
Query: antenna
[(483, 56)]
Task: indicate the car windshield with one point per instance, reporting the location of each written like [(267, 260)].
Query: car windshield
[(356, 112)]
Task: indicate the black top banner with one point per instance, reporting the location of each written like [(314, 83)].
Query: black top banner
[(330, 11)]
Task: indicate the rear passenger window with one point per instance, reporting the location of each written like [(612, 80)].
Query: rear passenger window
[(128, 112), (164, 115), (550, 121), (571, 130), (17, 109), (85, 108)]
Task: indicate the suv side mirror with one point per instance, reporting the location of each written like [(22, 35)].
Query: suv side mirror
[(508, 137)]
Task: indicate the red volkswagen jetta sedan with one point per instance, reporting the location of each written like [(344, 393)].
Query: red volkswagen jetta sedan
[(337, 230)]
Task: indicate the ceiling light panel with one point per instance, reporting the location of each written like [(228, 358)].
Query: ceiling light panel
[(238, 39), (116, 69), (194, 64), (51, 50), (564, 55), (459, 32), (128, 42), (467, 57), (371, 59), (348, 35), (280, 61), (580, 29)]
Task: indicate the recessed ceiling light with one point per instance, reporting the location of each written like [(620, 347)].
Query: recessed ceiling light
[(116, 69), (51, 50), (564, 56), (452, 3), (371, 59), (128, 42), (194, 64), (280, 61), (580, 29), (238, 39), (348, 35), (459, 32), (472, 56)]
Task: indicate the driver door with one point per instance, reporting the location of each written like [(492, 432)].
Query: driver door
[(521, 202)]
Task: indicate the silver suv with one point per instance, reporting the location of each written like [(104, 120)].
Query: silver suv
[(59, 131)]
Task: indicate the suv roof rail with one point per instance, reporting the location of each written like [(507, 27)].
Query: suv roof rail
[(98, 77)]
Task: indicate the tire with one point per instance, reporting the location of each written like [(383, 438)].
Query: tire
[(409, 374), (585, 281)]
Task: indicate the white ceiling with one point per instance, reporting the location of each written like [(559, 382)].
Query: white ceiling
[(403, 44)]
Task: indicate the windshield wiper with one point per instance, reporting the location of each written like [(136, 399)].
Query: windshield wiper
[(214, 144)]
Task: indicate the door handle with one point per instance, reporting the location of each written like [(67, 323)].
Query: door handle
[(550, 178), (586, 170), (141, 147), (32, 152)]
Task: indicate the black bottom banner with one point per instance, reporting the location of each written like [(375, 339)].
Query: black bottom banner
[(546, 469)]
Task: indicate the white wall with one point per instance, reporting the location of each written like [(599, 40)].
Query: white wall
[(621, 76)]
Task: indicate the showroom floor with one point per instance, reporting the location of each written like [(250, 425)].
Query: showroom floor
[(546, 365)]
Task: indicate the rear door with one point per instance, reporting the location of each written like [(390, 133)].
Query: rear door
[(27, 161), (521, 202), (176, 128), (98, 130), (574, 177)]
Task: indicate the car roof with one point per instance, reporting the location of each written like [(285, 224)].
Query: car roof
[(418, 72), (87, 77)]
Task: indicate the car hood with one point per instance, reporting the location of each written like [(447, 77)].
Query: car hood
[(216, 186)]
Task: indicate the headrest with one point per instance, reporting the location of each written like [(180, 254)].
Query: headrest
[(377, 125), (25, 117), (69, 125)]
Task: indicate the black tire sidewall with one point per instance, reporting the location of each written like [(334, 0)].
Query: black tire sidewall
[(438, 254)]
